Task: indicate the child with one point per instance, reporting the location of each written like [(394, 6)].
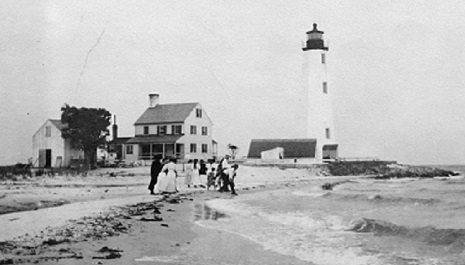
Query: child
[(232, 176), (211, 179)]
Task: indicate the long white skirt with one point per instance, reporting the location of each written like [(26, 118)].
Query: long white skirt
[(161, 183), (188, 179), (166, 182), (196, 177), (171, 181)]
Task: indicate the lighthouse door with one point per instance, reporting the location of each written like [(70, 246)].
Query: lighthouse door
[(330, 151)]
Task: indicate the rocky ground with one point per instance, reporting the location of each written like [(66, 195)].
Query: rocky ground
[(47, 219), (155, 230), (57, 243), (384, 170)]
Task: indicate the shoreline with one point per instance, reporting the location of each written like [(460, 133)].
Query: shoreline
[(135, 234), (121, 222)]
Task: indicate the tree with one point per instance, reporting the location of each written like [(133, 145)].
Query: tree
[(86, 128), (233, 150)]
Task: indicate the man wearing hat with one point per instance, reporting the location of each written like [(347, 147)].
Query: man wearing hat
[(225, 171), (155, 169)]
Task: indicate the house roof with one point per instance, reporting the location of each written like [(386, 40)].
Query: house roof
[(166, 113), (293, 148), (154, 139), (57, 124), (120, 140)]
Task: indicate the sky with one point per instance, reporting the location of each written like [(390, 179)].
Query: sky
[(397, 69)]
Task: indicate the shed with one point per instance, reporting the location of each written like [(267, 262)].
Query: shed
[(292, 148), (275, 153)]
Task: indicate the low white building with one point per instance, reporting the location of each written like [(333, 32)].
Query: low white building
[(50, 149), (282, 148), (273, 154)]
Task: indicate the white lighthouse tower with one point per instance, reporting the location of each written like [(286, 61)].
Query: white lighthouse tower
[(320, 123)]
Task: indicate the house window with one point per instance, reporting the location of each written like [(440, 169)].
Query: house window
[(129, 149), (204, 148), (48, 131), (176, 129), (146, 129), (193, 129), (198, 113), (323, 58), (328, 135), (161, 130), (193, 148), (325, 87), (204, 130)]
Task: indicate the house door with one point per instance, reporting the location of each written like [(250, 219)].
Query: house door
[(179, 151), (48, 158), (169, 150), (41, 157)]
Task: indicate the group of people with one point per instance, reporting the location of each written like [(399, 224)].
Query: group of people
[(163, 175), (197, 174)]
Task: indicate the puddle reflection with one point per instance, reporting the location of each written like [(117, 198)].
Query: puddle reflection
[(203, 212)]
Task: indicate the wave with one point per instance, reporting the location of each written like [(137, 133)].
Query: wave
[(299, 234), (376, 198), (365, 225), (429, 235), (455, 182), (311, 194), (380, 198)]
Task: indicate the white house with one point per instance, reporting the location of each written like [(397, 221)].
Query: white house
[(50, 149), (181, 130)]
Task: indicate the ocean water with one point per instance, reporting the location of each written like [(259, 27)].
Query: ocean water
[(360, 221)]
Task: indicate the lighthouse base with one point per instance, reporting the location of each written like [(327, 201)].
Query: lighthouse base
[(330, 151)]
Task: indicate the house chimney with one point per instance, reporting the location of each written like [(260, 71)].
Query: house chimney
[(115, 128), (153, 99)]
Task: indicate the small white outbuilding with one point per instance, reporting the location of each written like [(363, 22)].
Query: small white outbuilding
[(272, 154), (50, 149)]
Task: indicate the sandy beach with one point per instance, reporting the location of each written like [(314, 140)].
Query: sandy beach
[(281, 216), (109, 215)]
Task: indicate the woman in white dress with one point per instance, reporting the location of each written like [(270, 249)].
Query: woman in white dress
[(189, 170), (162, 180), (168, 183), (195, 174)]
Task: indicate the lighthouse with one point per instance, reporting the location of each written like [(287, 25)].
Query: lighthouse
[(317, 89)]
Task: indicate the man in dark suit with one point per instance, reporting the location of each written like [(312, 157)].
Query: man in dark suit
[(155, 169)]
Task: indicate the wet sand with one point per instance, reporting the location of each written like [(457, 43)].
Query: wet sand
[(180, 242), (114, 220)]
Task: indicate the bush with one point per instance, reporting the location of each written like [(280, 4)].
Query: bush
[(8, 172)]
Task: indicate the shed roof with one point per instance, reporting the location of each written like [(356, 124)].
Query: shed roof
[(293, 148), (166, 113), (58, 124), (120, 140)]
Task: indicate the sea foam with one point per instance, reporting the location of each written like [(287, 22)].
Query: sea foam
[(295, 234), (369, 222)]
